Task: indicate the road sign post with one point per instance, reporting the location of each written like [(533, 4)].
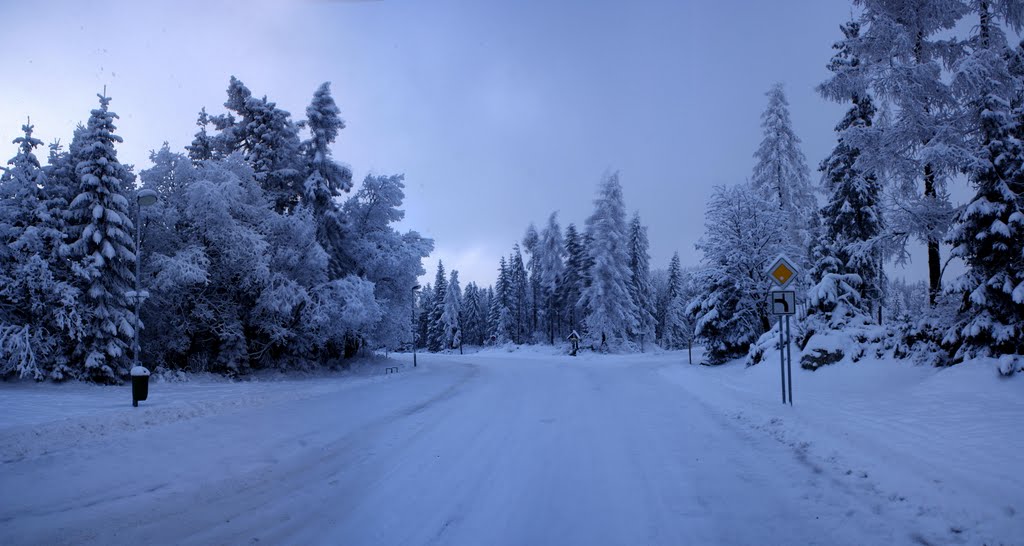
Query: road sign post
[(782, 304), (789, 360), (782, 358)]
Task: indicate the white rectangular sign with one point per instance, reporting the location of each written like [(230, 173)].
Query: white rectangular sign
[(783, 302)]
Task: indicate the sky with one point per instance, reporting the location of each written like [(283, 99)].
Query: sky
[(498, 113)]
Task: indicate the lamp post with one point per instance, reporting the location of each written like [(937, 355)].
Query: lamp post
[(414, 289), (143, 198)]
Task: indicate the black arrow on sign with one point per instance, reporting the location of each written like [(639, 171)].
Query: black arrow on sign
[(785, 305)]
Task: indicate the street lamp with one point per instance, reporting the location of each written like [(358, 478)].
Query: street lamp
[(143, 198), (414, 289)]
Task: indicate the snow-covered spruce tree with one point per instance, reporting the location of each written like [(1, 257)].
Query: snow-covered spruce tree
[(102, 251), (902, 52), (486, 298), (451, 317), (531, 242), (683, 322), (435, 327), (327, 179), (668, 332), (679, 323), (571, 287), (38, 308), (203, 146), (270, 143), (499, 314), (640, 281), (612, 314), (846, 274), (551, 264), (781, 173), (519, 296), (424, 307), (743, 233), (474, 314), (852, 218), (989, 232)]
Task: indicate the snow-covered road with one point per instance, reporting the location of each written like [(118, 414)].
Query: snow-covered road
[(478, 449)]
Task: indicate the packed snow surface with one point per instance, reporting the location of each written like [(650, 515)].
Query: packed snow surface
[(523, 447)]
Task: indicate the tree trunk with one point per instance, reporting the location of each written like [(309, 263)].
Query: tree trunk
[(934, 259)]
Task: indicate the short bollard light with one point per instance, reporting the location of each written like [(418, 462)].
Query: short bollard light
[(140, 384)]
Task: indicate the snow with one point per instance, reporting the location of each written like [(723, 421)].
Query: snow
[(519, 445)]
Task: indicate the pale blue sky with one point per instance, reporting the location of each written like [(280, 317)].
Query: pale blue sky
[(497, 112)]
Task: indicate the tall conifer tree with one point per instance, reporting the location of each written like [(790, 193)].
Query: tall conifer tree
[(103, 250)]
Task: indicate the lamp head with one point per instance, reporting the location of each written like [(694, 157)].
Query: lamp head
[(146, 197)]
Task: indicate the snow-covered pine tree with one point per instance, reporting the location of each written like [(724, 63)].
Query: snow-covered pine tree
[(38, 308), (667, 332), (102, 250), (571, 287), (847, 270), (678, 323), (451, 317), (60, 179), (473, 316), (988, 233), (500, 316), (611, 312), (551, 251), (435, 326), (270, 143), (486, 301), (902, 52), (530, 242), (519, 296), (743, 233), (781, 173), (640, 280), (326, 179), (20, 189), (424, 306), (203, 146)]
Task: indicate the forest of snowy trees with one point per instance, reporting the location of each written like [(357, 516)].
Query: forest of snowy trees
[(925, 111), (251, 260), (255, 258)]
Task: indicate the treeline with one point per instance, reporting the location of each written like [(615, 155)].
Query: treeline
[(248, 259), (927, 109), (596, 281)]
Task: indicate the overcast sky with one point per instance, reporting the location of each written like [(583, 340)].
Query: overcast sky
[(498, 113)]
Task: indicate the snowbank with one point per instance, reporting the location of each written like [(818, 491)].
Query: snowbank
[(936, 444)]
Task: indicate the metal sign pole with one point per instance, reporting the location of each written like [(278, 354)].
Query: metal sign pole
[(789, 359), (782, 304), (782, 359)]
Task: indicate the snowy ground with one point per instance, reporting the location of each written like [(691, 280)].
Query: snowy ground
[(523, 447)]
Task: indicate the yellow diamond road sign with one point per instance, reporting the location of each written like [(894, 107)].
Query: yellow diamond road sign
[(782, 272)]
